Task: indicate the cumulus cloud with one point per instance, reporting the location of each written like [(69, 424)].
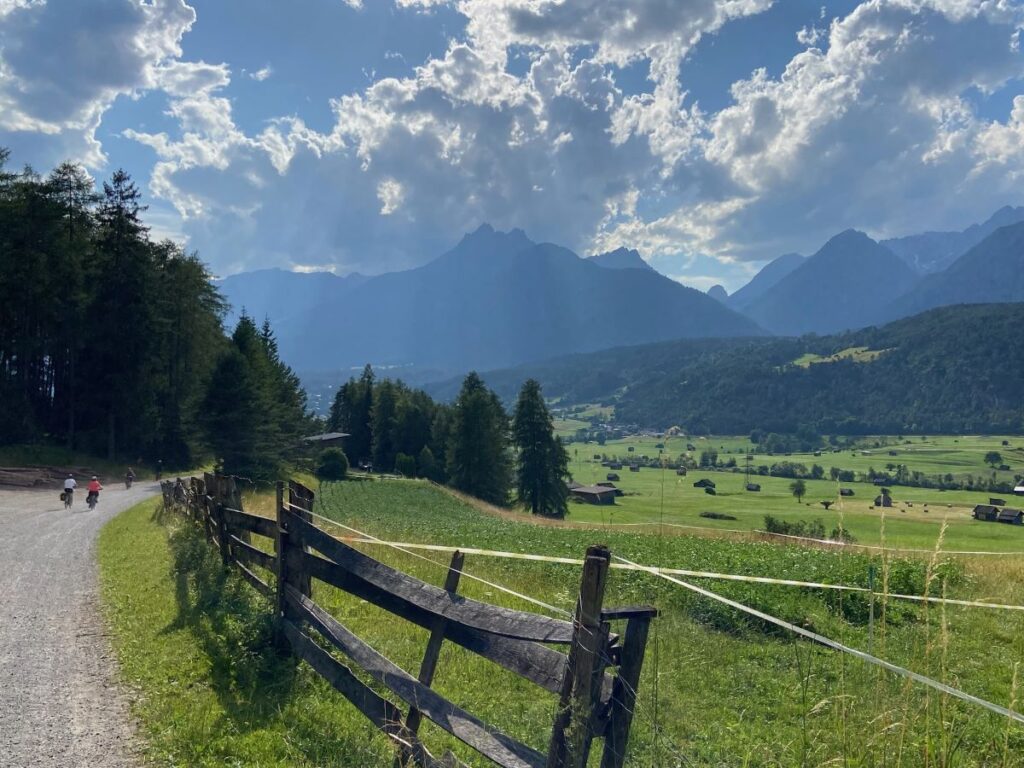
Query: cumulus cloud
[(872, 125), (64, 62)]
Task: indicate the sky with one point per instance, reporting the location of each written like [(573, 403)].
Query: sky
[(369, 135)]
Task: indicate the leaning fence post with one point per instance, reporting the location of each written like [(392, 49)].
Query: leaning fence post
[(430, 656), (623, 699), (573, 727)]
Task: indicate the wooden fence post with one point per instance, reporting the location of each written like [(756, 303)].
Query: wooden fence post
[(429, 664), (300, 498), (220, 523), (280, 550), (573, 728), (624, 691), (288, 544)]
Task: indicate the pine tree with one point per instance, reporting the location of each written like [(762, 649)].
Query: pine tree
[(121, 319), (382, 421), (478, 457), (542, 464)]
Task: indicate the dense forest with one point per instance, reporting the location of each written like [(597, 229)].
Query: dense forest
[(951, 370), (113, 344)]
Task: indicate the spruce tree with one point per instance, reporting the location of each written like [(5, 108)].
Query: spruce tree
[(542, 464), (478, 456), (382, 420)]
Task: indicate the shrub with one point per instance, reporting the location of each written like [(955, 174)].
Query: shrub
[(333, 465), (717, 516), (405, 465)]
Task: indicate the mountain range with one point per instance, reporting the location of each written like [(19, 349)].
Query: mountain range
[(853, 281), (934, 251), (496, 299)]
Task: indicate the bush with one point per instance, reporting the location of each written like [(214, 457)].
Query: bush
[(333, 465), (717, 516), (405, 465)]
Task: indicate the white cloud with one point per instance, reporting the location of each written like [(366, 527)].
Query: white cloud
[(390, 193), (872, 126), (809, 36), (94, 52), (262, 74), (873, 131)]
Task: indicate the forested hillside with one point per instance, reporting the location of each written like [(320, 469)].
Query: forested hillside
[(951, 370), (109, 340)]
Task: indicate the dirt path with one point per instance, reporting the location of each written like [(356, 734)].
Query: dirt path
[(59, 702)]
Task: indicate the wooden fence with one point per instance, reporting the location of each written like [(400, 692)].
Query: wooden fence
[(592, 703)]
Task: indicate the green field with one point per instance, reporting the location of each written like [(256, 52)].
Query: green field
[(856, 354), (654, 495), (718, 689), (959, 455)]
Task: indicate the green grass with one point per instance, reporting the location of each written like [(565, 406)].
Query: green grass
[(194, 642), (729, 691), (959, 455), (654, 495), (856, 354)]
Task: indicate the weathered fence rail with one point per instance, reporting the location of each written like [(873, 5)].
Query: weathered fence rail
[(592, 702)]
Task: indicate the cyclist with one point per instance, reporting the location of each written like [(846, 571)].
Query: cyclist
[(69, 490), (94, 489), (129, 478)]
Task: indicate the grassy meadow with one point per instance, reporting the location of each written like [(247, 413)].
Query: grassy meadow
[(654, 495), (719, 689)]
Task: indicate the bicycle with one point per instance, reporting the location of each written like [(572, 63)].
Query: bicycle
[(68, 497), (91, 500)]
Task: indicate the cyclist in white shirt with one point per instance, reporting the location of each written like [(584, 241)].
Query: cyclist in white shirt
[(69, 487)]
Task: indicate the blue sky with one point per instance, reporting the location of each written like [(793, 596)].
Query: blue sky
[(367, 136)]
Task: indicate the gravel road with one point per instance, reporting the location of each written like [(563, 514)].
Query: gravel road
[(59, 700)]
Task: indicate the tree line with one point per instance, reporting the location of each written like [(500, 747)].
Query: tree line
[(471, 444), (113, 343)]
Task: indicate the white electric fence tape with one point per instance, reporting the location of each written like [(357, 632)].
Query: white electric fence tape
[(374, 540), (666, 574), (677, 572), (821, 639)]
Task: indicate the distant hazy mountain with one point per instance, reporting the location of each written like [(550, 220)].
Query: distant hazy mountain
[(718, 293), (281, 295), (620, 258), (497, 299), (840, 287), (991, 271), (934, 251), (769, 275)]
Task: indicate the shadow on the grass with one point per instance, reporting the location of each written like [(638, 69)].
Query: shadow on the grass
[(254, 682), (233, 626)]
